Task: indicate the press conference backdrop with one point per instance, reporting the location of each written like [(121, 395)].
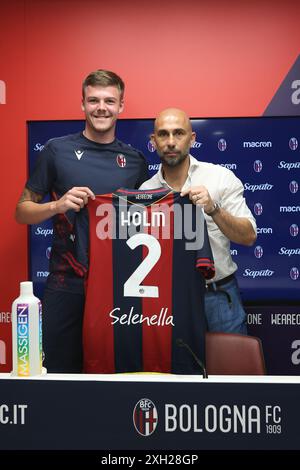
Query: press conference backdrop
[(264, 152)]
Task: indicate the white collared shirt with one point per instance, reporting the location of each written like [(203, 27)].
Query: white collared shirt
[(225, 189)]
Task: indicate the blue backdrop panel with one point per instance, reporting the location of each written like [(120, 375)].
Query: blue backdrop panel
[(278, 328), (263, 152)]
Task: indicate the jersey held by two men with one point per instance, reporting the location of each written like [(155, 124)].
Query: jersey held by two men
[(149, 258)]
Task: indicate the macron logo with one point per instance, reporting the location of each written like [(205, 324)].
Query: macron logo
[(78, 153), (2, 92), (257, 144)]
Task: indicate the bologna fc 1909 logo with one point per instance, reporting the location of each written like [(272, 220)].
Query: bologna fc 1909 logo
[(293, 186), (145, 417), (258, 251), (150, 146), (258, 208), (121, 160), (294, 230), (222, 145), (294, 273), (257, 166), (293, 143)]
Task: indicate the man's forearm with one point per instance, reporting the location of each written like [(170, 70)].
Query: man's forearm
[(237, 229), (29, 212)]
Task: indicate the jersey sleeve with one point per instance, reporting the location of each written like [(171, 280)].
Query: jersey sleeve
[(197, 224), (205, 260), (43, 175)]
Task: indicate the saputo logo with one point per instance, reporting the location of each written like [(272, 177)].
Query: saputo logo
[(196, 145), (2, 92), (44, 232), (258, 273), (288, 165), (38, 147), (154, 167), (289, 251), (258, 187)]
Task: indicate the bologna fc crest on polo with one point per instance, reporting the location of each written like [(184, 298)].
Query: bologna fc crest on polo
[(293, 186), (258, 251), (258, 208), (222, 145), (293, 143), (257, 166), (121, 160), (294, 273), (145, 417)]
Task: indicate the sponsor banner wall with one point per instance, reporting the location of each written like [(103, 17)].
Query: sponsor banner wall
[(264, 153)]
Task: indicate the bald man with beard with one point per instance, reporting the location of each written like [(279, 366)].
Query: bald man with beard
[(221, 195)]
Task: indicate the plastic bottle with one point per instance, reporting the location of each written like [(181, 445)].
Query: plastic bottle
[(27, 333)]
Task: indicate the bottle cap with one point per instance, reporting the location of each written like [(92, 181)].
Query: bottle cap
[(26, 288)]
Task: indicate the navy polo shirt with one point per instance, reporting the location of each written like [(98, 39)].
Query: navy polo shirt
[(74, 160)]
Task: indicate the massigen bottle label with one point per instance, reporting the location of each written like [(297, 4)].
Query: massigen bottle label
[(23, 339)]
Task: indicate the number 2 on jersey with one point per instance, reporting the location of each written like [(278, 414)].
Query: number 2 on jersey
[(133, 287)]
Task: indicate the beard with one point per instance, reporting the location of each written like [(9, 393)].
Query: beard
[(173, 161)]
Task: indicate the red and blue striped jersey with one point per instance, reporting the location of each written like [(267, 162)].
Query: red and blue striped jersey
[(149, 258)]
